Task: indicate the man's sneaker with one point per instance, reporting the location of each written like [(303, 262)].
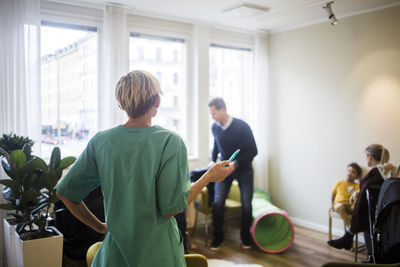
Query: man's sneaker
[(246, 243), (216, 244), (243, 246)]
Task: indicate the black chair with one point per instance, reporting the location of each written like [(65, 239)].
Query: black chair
[(372, 193), (77, 236)]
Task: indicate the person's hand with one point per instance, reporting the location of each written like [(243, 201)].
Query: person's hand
[(210, 164), (388, 166), (231, 168), (218, 172), (354, 196)]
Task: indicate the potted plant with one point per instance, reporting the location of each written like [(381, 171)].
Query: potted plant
[(10, 142), (29, 194)]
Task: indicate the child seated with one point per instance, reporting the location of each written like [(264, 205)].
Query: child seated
[(343, 190)]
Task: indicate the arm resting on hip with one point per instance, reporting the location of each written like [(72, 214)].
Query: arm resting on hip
[(82, 213)]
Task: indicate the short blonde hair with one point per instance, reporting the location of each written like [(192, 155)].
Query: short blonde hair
[(378, 152), (136, 92)]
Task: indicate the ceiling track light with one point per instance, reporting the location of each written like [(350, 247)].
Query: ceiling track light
[(331, 16)]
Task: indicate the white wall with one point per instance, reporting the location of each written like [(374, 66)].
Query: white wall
[(333, 91)]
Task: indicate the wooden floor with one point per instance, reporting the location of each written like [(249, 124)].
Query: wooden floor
[(308, 249)]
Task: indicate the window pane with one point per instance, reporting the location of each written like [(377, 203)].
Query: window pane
[(165, 58), (68, 87), (231, 75)]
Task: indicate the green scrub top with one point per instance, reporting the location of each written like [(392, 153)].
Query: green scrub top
[(144, 175)]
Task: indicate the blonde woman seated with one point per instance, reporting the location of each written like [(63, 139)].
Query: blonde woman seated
[(377, 158), (342, 192), (144, 177)]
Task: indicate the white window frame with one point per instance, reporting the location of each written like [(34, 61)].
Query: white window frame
[(91, 17), (170, 30)]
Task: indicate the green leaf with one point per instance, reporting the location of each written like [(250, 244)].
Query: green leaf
[(55, 158), (29, 181), (19, 158), (48, 180), (41, 164), (39, 208), (57, 175), (5, 154), (13, 184), (53, 197), (10, 142), (8, 167), (10, 195), (27, 151), (34, 164), (29, 198), (7, 207), (66, 162), (18, 216)]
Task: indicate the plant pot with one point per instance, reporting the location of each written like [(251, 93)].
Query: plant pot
[(9, 242), (44, 252)]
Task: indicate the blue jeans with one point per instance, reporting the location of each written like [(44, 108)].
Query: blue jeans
[(245, 179)]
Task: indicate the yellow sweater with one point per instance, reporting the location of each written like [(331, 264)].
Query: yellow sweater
[(343, 190)]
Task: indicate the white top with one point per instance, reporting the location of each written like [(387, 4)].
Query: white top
[(227, 124), (386, 174)]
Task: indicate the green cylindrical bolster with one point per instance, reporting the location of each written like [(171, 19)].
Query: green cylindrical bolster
[(272, 230)]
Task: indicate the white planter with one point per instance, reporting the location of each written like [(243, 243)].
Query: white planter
[(43, 252), (9, 243)]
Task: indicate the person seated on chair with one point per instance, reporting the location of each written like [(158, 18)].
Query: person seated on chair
[(342, 192), (144, 176), (196, 175), (377, 156), (180, 218)]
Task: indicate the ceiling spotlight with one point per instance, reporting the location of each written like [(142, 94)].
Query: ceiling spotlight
[(331, 16)]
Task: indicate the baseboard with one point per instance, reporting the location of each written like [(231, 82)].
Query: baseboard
[(321, 228), (296, 221)]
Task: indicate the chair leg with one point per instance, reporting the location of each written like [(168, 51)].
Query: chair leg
[(195, 222), (206, 231), (356, 249), (330, 228)]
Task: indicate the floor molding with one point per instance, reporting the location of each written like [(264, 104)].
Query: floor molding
[(321, 228)]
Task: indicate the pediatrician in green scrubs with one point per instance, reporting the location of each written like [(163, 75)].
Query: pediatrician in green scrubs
[(144, 176)]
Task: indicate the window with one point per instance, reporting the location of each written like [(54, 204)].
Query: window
[(231, 71), (167, 60), (159, 54), (140, 53), (68, 86), (159, 76), (176, 79), (231, 75)]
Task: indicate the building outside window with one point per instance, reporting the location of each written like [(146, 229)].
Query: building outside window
[(175, 78), (166, 58), (231, 74), (69, 92)]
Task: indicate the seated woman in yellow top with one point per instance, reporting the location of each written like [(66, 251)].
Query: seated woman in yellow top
[(144, 177), (342, 192)]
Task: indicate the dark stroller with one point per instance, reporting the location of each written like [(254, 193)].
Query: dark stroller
[(78, 237), (385, 239)]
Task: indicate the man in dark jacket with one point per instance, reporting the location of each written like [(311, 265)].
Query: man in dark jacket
[(231, 134)]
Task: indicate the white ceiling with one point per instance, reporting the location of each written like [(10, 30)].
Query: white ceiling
[(283, 14)]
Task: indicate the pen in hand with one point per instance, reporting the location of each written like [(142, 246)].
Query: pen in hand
[(233, 156)]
